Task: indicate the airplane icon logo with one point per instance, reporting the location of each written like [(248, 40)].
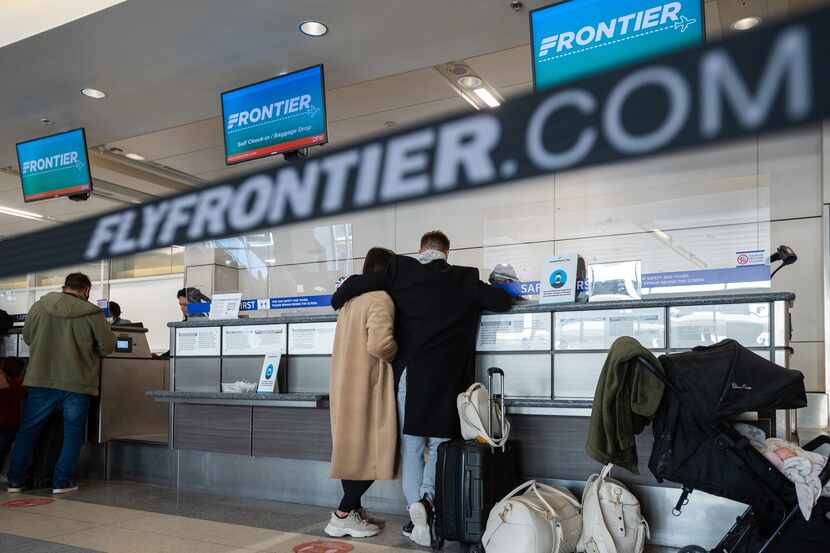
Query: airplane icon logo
[(683, 23)]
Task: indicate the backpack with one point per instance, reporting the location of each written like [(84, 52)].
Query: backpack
[(612, 521), (544, 519)]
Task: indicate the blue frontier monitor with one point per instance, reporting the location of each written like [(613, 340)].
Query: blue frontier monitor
[(283, 114), (55, 165), (577, 38)]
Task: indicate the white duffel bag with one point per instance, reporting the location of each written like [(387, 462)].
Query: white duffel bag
[(611, 518), (544, 519), (478, 413)]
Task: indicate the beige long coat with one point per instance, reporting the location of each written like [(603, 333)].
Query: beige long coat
[(364, 426)]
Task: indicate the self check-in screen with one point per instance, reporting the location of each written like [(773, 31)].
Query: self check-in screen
[(576, 38), (55, 165), (279, 115)]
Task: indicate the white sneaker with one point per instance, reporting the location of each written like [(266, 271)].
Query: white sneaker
[(353, 525), (71, 487), (420, 519)]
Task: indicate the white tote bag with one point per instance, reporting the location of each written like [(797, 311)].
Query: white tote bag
[(474, 407), (544, 519), (611, 518)]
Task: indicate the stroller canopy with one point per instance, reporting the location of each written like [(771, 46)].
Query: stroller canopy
[(727, 379)]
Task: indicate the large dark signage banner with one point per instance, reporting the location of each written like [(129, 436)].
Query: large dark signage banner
[(767, 80)]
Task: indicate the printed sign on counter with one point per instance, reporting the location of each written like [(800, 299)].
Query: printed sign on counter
[(268, 376), (225, 306), (514, 332), (198, 342), (311, 338), (253, 340), (8, 345), (558, 282)]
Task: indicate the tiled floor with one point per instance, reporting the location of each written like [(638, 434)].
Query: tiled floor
[(122, 517)]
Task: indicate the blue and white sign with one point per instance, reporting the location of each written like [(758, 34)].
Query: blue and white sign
[(282, 114), (55, 165), (576, 38), (558, 282), (268, 376)]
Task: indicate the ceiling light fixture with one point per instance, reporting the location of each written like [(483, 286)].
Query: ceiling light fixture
[(20, 213), (135, 157), (470, 81), (746, 23), (313, 28), (93, 93), (45, 121), (487, 97)]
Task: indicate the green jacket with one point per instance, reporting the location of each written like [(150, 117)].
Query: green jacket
[(626, 399), (67, 337)]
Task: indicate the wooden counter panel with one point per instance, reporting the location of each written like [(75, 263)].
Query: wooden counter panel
[(219, 428), (554, 447), (292, 433)]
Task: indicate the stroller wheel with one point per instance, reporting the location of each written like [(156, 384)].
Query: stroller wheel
[(692, 549)]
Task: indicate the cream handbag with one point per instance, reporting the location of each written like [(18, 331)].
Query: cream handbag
[(611, 518), (542, 520), (481, 418)]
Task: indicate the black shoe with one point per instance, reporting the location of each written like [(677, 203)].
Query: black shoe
[(406, 531)]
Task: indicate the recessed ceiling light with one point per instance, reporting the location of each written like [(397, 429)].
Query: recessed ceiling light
[(20, 213), (136, 157), (487, 97), (313, 28), (746, 23), (469, 81), (45, 121), (94, 93)]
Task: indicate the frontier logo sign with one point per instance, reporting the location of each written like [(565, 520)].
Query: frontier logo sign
[(579, 37)]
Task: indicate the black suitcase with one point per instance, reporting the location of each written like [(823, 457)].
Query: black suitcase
[(470, 479)]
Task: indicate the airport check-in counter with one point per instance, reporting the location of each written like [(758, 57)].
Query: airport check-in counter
[(122, 411), (552, 356)]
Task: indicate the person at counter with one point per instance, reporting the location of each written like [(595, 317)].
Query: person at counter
[(67, 336), (364, 429), (189, 295), (438, 307), (115, 315), (12, 394)]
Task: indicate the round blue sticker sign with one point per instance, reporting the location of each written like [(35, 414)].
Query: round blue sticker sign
[(269, 372), (558, 278)]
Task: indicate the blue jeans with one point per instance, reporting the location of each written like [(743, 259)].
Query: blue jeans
[(39, 406), (417, 473)]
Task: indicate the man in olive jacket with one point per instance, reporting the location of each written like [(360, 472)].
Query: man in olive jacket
[(67, 336)]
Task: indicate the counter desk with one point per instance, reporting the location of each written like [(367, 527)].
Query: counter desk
[(551, 354)]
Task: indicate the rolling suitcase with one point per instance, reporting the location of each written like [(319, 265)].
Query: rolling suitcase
[(470, 479)]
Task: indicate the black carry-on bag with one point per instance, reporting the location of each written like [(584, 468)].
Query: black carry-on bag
[(471, 478)]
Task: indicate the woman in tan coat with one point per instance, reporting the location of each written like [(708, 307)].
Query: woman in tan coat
[(364, 426)]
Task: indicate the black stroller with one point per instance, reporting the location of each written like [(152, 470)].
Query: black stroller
[(695, 445)]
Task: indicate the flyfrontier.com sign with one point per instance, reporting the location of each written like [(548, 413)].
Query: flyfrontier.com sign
[(770, 79)]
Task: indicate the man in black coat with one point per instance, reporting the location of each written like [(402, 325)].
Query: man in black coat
[(438, 307)]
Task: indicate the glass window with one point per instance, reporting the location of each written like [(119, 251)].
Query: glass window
[(14, 283), (599, 329), (156, 262), (705, 325), (56, 277)]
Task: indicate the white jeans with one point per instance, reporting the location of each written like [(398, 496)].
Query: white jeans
[(417, 473)]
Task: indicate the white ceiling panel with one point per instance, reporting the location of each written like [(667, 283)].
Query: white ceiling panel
[(505, 68), (175, 141)]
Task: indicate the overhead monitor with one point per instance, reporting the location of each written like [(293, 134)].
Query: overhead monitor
[(55, 165), (280, 115), (577, 38)]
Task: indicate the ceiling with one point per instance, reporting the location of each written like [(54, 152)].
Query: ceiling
[(163, 65), (24, 19)]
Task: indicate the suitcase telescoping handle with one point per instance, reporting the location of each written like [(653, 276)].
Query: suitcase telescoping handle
[(491, 372)]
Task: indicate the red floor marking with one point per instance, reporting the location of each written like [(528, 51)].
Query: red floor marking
[(323, 547), (23, 503)]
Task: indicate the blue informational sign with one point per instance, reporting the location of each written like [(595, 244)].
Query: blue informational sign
[(55, 165), (576, 38), (283, 114)]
